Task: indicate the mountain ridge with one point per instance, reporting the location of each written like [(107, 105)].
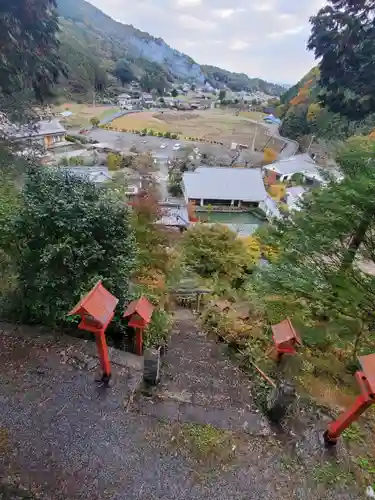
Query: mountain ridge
[(144, 52)]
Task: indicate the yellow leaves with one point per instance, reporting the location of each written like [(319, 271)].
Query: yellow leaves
[(277, 191), (312, 112), (252, 247), (269, 156), (113, 161), (270, 252)]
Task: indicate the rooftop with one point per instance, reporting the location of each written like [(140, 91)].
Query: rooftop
[(220, 183), (93, 174), (43, 127), (294, 165), (173, 215)]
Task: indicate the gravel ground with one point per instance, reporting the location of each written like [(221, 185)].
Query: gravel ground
[(61, 437)]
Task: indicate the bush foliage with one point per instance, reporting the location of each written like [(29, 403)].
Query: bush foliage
[(217, 250), (69, 234)]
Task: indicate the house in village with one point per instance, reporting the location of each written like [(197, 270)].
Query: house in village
[(129, 102), (96, 174), (173, 215), (44, 133), (220, 186), (147, 100), (285, 169)]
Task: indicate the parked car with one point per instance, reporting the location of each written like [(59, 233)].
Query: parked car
[(196, 150), (163, 145), (176, 147)]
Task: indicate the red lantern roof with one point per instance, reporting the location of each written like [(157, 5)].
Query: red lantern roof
[(142, 307), (98, 303), (285, 332)]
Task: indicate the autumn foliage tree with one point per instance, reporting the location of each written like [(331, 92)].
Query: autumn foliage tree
[(216, 250)]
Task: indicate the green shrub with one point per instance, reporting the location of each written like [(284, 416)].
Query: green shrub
[(167, 135), (70, 233), (215, 249), (156, 333)]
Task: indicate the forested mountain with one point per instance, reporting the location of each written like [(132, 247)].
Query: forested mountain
[(304, 115), (337, 99), (239, 81), (98, 50)]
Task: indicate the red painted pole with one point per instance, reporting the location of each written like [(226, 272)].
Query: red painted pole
[(362, 402), (139, 341), (105, 365)]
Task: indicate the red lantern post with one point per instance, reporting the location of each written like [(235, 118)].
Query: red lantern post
[(97, 310), (286, 338), (366, 382), (139, 313)]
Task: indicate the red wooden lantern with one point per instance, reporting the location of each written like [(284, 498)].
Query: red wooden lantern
[(97, 310), (366, 382), (139, 313), (286, 338)]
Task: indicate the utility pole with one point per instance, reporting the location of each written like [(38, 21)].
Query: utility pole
[(312, 138), (254, 138)]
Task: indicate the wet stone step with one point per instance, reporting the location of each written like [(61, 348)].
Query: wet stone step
[(232, 419)]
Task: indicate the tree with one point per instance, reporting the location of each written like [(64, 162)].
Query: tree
[(343, 37), (154, 80), (113, 161), (94, 121), (327, 247), (215, 249), (222, 95), (123, 72), (69, 233), (174, 183), (151, 242), (295, 123), (174, 93), (29, 47), (269, 156)]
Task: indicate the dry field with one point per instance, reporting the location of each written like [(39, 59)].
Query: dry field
[(83, 112), (210, 125)]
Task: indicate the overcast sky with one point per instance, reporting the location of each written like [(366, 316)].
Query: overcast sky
[(265, 38)]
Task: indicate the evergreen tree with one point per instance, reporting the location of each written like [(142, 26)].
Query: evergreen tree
[(343, 37), (327, 248), (69, 234)]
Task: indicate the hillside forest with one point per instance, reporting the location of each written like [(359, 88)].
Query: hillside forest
[(100, 53), (335, 100)]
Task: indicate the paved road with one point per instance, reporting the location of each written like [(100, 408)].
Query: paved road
[(291, 146)]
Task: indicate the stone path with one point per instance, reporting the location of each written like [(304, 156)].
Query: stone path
[(64, 438), (200, 385)]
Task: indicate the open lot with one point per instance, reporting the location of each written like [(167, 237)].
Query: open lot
[(82, 113), (210, 125)]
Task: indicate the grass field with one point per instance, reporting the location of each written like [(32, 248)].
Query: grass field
[(211, 125), (253, 115), (82, 113)]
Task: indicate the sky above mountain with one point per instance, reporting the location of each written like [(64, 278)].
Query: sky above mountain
[(263, 38)]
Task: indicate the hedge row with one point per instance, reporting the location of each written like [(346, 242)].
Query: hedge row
[(166, 135)]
